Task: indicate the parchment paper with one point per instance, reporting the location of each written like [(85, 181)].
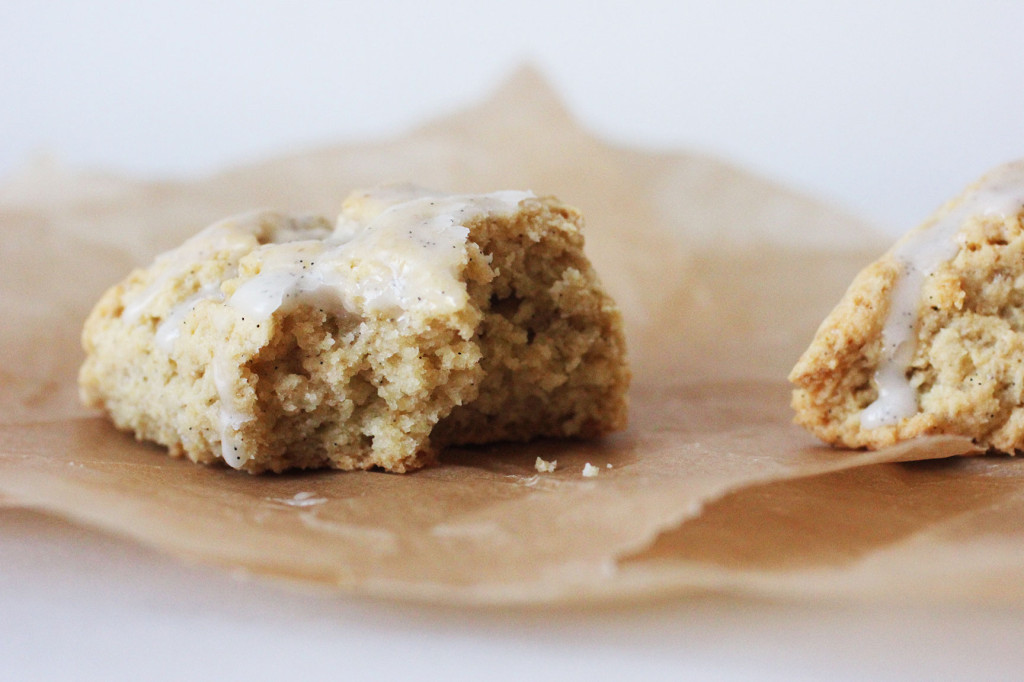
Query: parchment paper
[(722, 277)]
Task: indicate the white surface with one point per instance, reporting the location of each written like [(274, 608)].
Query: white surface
[(82, 605), (887, 108)]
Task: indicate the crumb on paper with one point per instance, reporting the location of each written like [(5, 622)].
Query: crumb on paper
[(590, 471), (545, 467), (303, 499)]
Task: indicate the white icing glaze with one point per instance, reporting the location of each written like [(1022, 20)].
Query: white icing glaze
[(289, 274), (920, 254), (364, 205), (169, 329), (232, 446), (392, 251), (229, 239)]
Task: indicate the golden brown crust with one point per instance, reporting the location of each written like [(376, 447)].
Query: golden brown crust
[(968, 364)]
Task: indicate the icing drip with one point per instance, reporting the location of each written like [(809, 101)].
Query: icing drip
[(920, 255), (169, 329), (232, 446), (229, 239), (393, 250)]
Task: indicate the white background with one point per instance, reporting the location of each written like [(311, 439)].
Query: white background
[(886, 108)]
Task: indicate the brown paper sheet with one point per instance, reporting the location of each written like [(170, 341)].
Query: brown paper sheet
[(722, 277)]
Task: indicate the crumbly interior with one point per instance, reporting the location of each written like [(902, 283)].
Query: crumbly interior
[(968, 367), (538, 351), (551, 343)]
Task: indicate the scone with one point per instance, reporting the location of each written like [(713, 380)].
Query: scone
[(417, 320), (930, 338)]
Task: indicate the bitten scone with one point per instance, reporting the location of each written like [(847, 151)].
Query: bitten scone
[(930, 338), (418, 320)]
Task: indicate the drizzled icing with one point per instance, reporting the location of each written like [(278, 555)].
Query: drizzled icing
[(919, 255), (169, 329), (393, 250), (228, 239), (232, 446)]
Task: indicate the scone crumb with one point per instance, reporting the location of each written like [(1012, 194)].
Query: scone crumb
[(545, 467), (927, 339), (413, 322), (590, 471)]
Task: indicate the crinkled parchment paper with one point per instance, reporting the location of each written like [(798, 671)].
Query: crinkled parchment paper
[(722, 277)]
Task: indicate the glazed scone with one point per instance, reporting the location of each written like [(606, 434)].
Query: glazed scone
[(417, 320), (930, 338)]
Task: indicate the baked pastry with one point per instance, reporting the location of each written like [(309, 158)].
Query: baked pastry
[(929, 339), (418, 320)]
